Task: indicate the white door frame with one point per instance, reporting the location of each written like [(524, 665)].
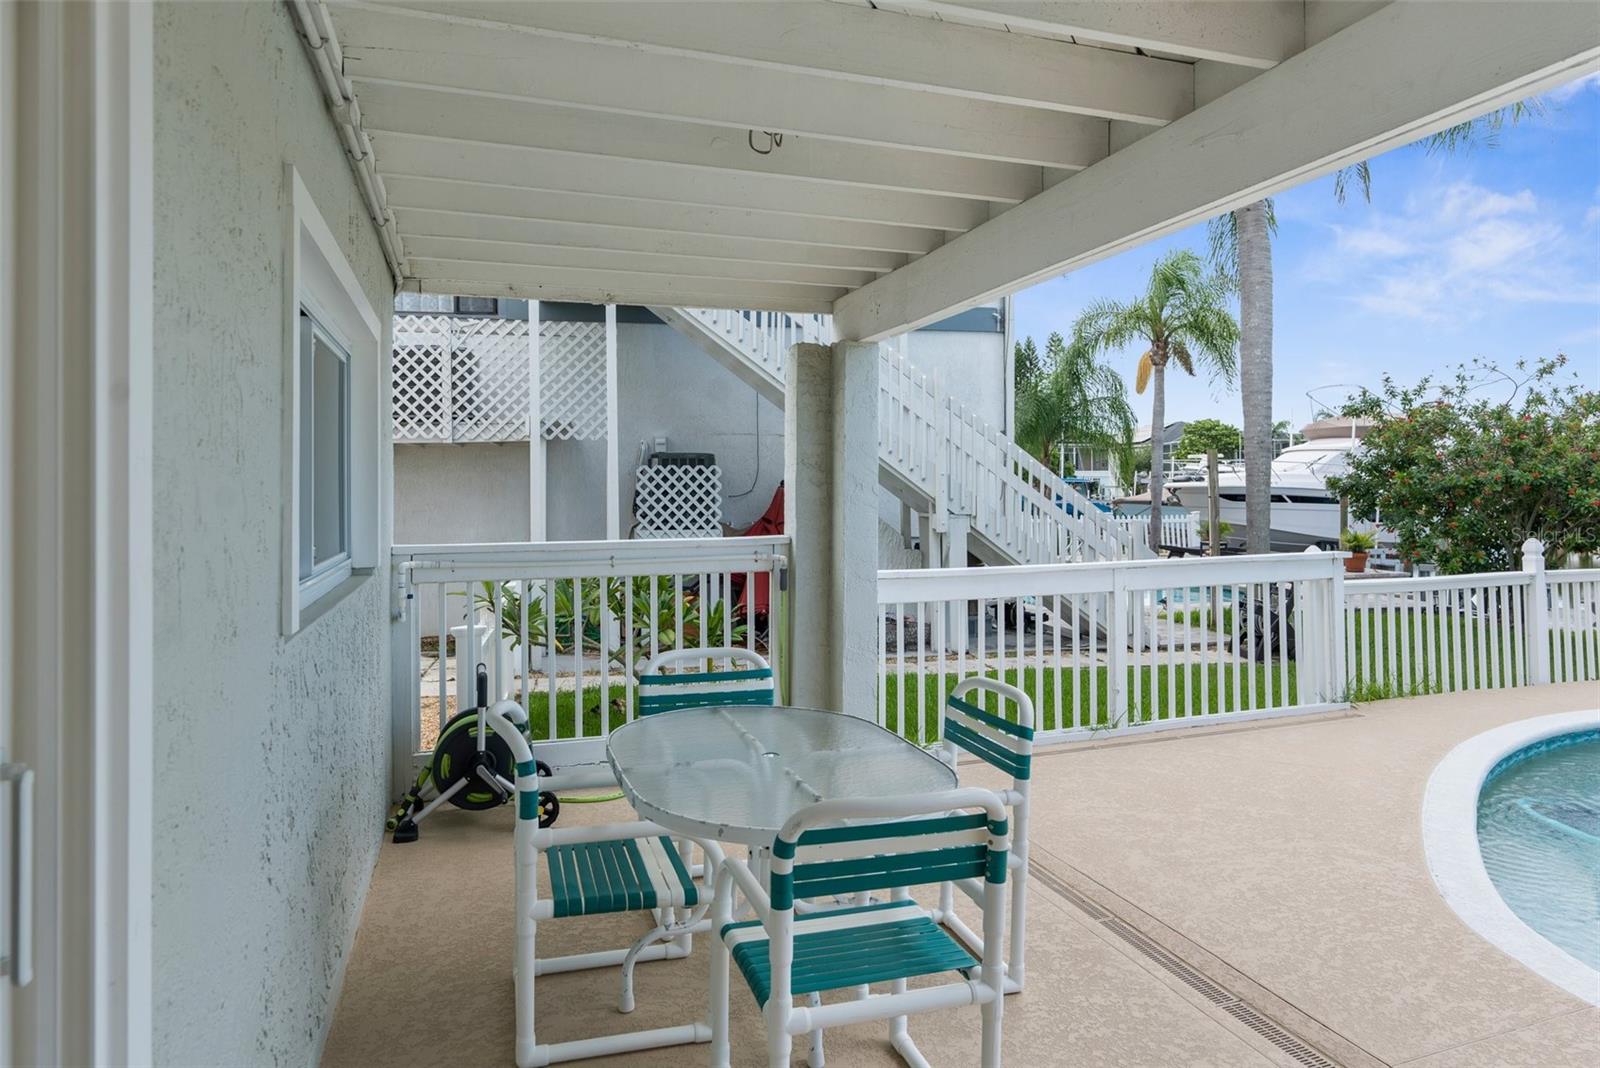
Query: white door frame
[(76, 585)]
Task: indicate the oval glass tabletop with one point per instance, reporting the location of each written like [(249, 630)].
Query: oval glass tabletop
[(737, 773)]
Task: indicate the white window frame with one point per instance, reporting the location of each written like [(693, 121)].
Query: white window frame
[(319, 282), (323, 578)]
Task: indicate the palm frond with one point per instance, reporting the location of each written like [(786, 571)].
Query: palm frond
[(1180, 352)]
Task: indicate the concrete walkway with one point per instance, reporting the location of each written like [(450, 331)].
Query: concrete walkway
[(1287, 857), (1278, 865)]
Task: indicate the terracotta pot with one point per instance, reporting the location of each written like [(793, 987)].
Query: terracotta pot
[(1356, 562)]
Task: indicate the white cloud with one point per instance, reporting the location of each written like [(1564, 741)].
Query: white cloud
[(1563, 93), (1454, 246)]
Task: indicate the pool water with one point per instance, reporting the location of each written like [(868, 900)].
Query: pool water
[(1193, 595), (1539, 834)]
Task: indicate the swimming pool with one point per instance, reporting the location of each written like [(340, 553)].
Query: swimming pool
[(1510, 820), (1539, 835)]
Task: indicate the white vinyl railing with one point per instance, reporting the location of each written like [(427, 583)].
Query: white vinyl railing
[(763, 336), (968, 467), (1152, 644), (566, 627), (1116, 646), (1178, 527), (945, 451)]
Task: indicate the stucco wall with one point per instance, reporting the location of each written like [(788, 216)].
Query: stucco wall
[(667, 385), (271, 762), (460, 493)]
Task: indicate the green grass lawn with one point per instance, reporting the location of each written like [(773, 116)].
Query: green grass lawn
[(1409, 652), (1155, 693), (1426, 653)]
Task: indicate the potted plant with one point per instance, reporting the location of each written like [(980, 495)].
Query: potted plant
[(1224, 529), (1358, 543)]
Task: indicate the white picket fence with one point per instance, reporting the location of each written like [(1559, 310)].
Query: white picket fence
[(1178, 527), (1148, 645), (1117, 646), (577, 622), (1443, 634)]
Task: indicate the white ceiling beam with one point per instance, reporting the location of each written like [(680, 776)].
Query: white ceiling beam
[(483, 59), (1401, 73), (534, 169), (422, 224), (862, 45), (491, 120), (502, 202), (482, 250), (1252, 33), (610, 287)]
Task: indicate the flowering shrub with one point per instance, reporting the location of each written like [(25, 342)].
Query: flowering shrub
[(1463, 478)]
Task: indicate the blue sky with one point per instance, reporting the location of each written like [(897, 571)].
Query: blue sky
[(1493, 252)]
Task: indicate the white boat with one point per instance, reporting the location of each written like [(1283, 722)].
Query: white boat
[(1304, 511)]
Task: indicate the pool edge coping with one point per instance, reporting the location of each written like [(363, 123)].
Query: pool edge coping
[(1450, 845)]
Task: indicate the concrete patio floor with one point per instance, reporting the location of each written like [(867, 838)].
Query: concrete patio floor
[(1278, 863)]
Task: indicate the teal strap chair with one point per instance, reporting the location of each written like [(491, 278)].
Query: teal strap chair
[(1004, 742), (612, 868), (856, 847), (737, 677)]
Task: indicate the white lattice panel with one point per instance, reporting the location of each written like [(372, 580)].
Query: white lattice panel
[(678, 502), (572, 381), (489, 380), (459, 379), (420, 384)]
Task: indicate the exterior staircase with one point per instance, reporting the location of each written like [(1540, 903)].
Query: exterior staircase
[(934, 454)]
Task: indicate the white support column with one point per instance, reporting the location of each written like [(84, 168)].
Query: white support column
[(831, 513), (536, 445), (613, 475)]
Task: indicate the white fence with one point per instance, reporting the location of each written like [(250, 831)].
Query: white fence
[(1178, 527), (566, 627), (1144, 645), (1444, 634), (968, 467), (1117, 646), (765, 336)]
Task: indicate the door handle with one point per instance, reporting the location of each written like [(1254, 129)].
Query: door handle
[(20, 778)]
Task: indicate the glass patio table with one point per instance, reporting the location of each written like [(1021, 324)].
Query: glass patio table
[(736, 773)]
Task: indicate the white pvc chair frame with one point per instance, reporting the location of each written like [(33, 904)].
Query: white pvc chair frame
[(529, 840), (674, 657), (784, 1020), (1016, 798)]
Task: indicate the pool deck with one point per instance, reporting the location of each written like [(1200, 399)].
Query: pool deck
[(1280, 860)]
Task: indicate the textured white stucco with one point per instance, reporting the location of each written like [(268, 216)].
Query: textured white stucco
[(460, 493), (271, 753)]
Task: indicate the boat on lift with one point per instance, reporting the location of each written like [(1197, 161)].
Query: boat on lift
[(1304, 511)]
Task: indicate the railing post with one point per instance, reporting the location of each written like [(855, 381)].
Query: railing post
[(405, 674), (955, 545), (1117, 651), (1537, 612), (1338, 620)]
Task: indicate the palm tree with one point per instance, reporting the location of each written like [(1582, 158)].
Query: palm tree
[(1183, 317), (1073, 400), (1241, 248)]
